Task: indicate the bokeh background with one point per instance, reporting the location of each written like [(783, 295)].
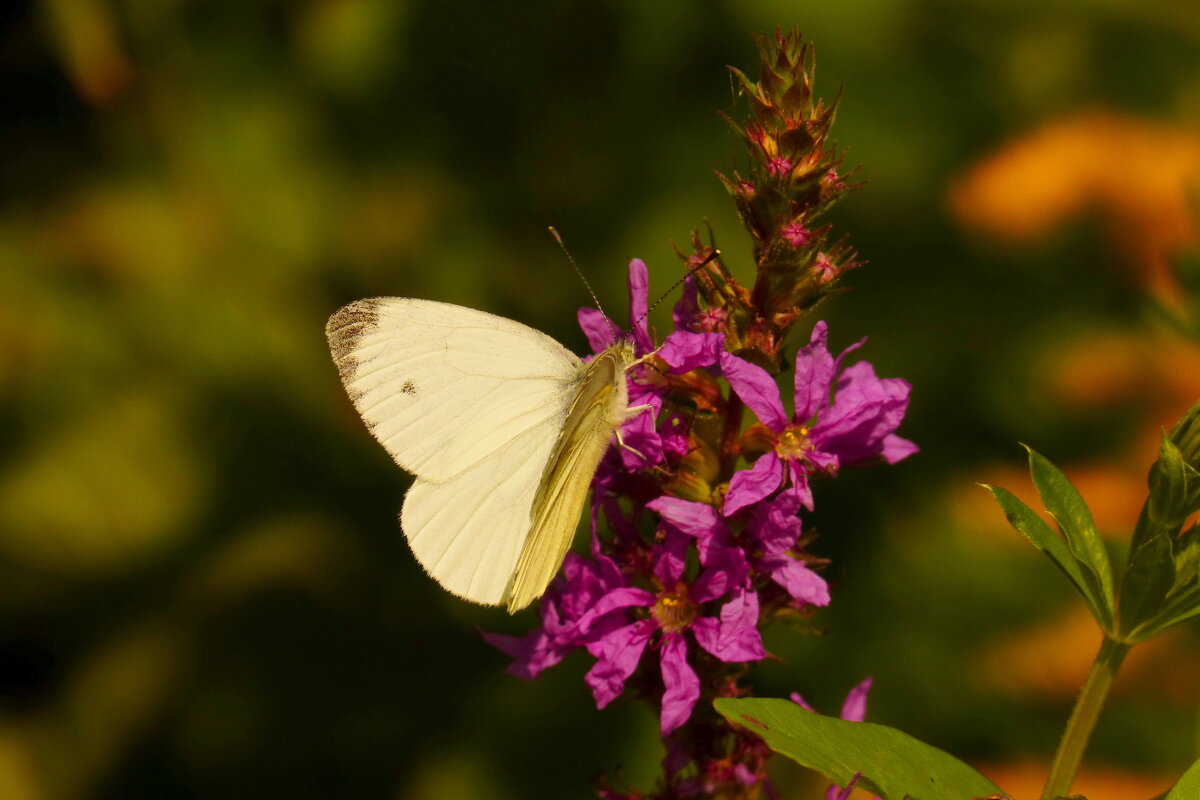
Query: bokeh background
[(203, 589)]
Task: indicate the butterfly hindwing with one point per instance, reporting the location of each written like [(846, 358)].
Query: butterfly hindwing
[(468, 531)]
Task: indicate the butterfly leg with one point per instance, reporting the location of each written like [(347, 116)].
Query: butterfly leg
[(634, 450), (630, 413), (644, 358), (633, 411)]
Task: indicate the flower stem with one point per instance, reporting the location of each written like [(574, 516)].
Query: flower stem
[(1083, 718)]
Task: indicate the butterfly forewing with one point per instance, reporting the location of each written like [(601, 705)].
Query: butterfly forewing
[(443, 387), (597, 411)]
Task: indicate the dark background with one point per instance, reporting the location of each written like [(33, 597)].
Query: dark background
[(203, 588)]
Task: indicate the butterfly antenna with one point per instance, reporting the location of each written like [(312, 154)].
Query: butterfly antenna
[(562, 246), (713, 256)]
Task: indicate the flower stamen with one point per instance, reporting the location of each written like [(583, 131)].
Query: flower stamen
[(673, 611)]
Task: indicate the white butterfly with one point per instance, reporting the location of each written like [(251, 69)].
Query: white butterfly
[(502, 426)]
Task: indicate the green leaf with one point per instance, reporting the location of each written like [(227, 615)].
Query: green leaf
[(1147, 580), (1187, 557), (1188, 787), (1074, 519), (1026, 521), (890, 763), (1180, 608)]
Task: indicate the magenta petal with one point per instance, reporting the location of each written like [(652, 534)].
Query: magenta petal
[(838, 793), (801, 583), (897, 449), (682, 687), (855, 707), (800, 701), (669, 557), (748, 486), (814, 367), (531, 653), (695, 519), (735, 636), (618, 655), (799, 489), (639, 290), (744, 775), (581, 585), (866, 409), (825, 462), (757, 389), (599, 329), (725, 569), (774, 526), (674, 429), (688, 306), (685, 351), (641, 435), (626, 597)]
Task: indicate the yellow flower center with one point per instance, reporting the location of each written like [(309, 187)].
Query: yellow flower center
[(673, 611), (793, 443)]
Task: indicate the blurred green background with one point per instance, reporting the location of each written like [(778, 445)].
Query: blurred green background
[(203, 587)]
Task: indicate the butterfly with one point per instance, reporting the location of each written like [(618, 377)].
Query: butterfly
[(502, 426)]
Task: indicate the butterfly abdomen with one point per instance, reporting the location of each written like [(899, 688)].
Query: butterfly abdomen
[(595, 414)]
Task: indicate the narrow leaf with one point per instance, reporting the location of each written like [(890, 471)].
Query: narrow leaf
[(1065, 504), (890, 763), (1187, 557), (1032, 527), (1188, 787), (1180, 608), (1147, 580)]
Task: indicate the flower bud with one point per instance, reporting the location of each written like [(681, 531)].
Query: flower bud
[(1175, 477), (1186, 436)]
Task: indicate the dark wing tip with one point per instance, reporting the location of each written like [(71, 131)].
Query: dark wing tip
[(346, 328)]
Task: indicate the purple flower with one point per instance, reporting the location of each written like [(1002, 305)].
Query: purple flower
[(770, 534), (842, 417), (731, 636), (779, 166), (795, 234), (824, 267)]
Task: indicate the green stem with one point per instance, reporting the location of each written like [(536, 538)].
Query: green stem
[(1083, 719)]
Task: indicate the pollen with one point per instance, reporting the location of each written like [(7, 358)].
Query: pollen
[(793, 443), (673, 611)]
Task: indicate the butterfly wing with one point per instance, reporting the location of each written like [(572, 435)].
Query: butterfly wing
[(467, 532), (472, 404), (597, 411), (442, 387)]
